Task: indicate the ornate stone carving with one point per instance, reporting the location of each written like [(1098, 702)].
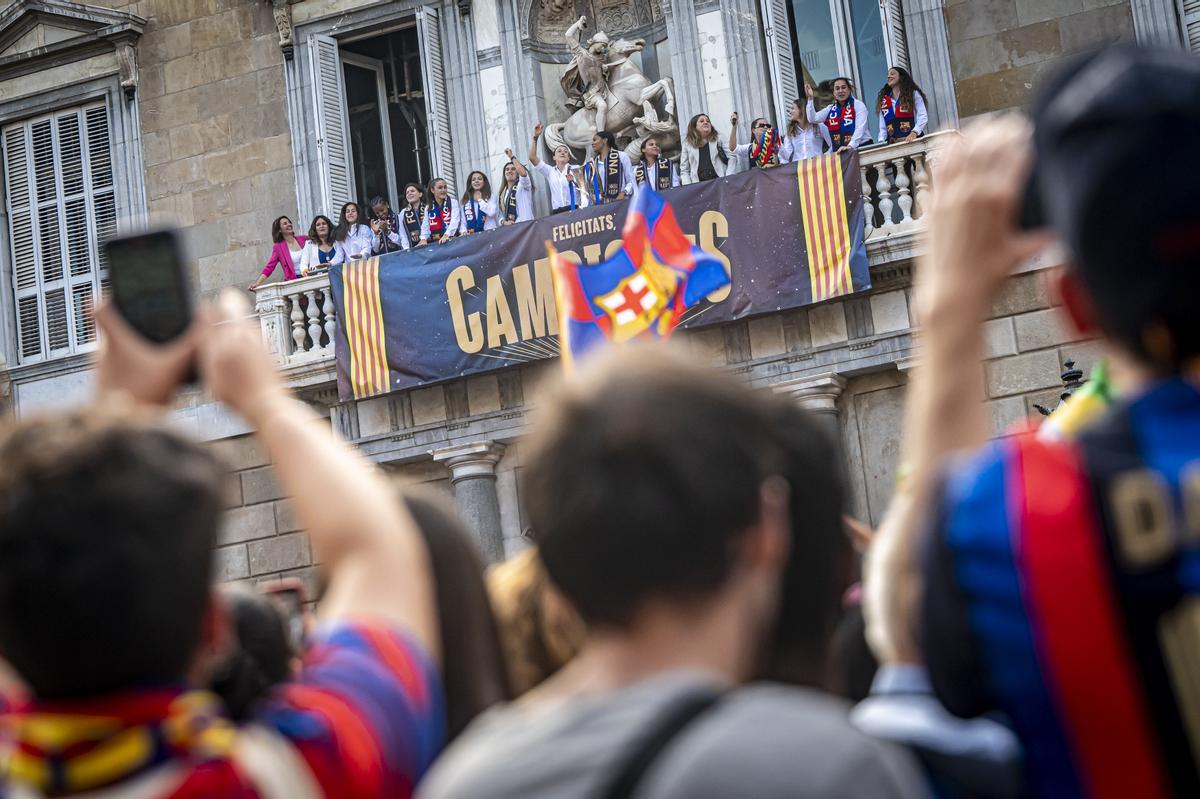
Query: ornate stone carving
[(127, 59), (282, 11)]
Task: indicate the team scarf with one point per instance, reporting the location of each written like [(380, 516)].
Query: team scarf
[(763, 151), (439, 218), (608, 189), (508, 202), (663, 179), (412, 222), (393, 223), (841, 123), (67, 751), (898, 118), (474, 216)]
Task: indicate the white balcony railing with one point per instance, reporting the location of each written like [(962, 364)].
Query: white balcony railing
[(298, 318), (894, 182)]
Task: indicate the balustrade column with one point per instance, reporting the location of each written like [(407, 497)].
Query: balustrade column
[(473, 475), (330, 311)]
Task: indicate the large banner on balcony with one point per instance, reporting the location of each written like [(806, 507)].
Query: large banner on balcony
[(789, 236)]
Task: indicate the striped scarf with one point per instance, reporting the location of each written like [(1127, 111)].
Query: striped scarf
[(763, 150)]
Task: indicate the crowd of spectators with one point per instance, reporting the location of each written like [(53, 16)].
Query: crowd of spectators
[(688, 623)]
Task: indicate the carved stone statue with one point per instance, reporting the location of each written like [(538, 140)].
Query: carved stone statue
[(607, 91), (282, 12)]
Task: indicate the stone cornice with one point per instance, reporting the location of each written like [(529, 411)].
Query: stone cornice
[(101, 30)]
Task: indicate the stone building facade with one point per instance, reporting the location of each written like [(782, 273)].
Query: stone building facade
[(219, 115)]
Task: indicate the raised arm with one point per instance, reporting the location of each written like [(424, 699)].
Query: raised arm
[(376, 562), (533, 148), (973, 246), (733, 123), (521, 170), (809, 110), (572, 33)]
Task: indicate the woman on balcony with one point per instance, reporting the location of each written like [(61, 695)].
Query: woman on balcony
[(355, 237), (565, 193), (516, 192), (902, 113), (762, 150), (654, 170), (478, 206), (285, 254), (845, 119), (443, 215), (321, 251), (609, 175), (412, 216), (703, 157), (802, 139)]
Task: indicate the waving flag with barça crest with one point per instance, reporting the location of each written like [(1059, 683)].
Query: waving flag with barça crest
[(639, 292)]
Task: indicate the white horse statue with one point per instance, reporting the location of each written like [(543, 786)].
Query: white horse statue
[(631, 112)]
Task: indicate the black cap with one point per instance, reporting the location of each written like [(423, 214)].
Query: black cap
[(1117, 140)]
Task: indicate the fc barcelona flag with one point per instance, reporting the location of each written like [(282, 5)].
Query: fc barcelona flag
[(837, 258), (641, 291)]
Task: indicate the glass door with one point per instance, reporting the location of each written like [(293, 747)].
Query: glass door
[(370, 128)]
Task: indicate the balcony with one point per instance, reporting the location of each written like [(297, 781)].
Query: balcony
[(299, 319)]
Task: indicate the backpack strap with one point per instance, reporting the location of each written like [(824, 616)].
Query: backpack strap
[(646, 750)]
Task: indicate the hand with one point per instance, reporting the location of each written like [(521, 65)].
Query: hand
[(537, 129), (911, 137), (253, 286), (234, 362), (841, 150), (808, 91), (974, 242), (128, 361), (506, 221), (375, 226), (733, 119), (508, 153), (582, 20), (444, 239), (422, 242)]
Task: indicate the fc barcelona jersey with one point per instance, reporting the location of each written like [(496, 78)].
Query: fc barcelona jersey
[(1063, 589)]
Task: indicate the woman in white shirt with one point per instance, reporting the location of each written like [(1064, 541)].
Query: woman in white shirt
[(478, 205), (762, 150), (355, 238), (845, 119), (320, 251), (565, 193), (411, 216), (654, 170), (609, 175), (703, 157), (443, 215), (516, 192), (802, 139), (902, 113)]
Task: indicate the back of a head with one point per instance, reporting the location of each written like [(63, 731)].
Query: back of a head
[(1115, 134), (107, 524), (473, 664), (644, 473), (821, 560), (262, 652)]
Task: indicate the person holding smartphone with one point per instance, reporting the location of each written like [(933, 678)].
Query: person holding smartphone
[(385, 226), (763, 148), (285, 254)]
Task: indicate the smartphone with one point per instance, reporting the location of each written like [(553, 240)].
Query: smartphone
[(291, 596), (149, 285)]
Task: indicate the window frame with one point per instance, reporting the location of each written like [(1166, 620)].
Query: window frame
[(129, 199)]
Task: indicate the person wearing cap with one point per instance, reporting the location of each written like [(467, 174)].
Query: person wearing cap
[(1058, 581)]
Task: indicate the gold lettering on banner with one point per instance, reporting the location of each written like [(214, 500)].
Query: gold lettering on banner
[(500, 323), (536, 310), (583, 227), (1141, 507), (1179, 638), (468, 330), (714, 225)]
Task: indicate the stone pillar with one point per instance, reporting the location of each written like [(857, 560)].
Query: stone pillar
[(1156, 23), (929, 59), (473, 475), (818, 395)]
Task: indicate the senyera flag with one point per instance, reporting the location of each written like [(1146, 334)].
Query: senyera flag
[(641, 291)]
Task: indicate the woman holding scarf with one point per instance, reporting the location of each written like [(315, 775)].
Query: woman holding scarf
[(478, 207), (654, 170), (763, 149), (845, 118), (902, 113), (609, 175), (516, 192), (412, 216), (443, 216)]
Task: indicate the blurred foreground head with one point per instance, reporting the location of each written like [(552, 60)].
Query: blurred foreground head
[(645, 484), (1116, 136), (107, 525)]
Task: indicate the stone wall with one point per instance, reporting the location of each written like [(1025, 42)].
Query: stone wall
[(1000, 49), (215, 138)]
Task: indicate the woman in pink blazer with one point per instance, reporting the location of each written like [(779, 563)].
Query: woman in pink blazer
[(285, 253)]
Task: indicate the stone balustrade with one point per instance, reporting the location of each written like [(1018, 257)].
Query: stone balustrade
[(298, 318), (895, 180)]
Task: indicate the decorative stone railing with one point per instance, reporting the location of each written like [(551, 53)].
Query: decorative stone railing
[(895, 180), (298, 319)]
